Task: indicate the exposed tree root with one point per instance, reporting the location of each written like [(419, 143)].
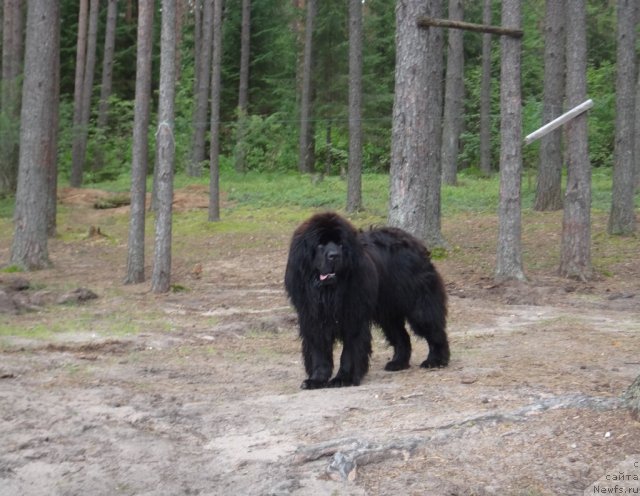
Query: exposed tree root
[(349, 453)]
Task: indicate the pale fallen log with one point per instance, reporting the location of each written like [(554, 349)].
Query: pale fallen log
[(558, 121)]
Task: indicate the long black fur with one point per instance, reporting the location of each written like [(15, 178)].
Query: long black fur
[(340, 280)]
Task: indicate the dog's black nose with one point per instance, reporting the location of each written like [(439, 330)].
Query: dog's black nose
[(332, 255)]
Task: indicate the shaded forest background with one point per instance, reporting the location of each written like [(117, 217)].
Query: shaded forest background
[(271, 142)]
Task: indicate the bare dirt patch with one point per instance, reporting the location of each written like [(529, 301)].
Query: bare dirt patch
[(197, 392)]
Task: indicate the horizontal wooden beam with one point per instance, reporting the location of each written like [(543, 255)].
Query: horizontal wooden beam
[(558, 121), (426, 22)]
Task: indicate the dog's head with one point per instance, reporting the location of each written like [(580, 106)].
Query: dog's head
[(324, 250), (328, 262)]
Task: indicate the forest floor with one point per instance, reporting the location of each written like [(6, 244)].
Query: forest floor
[(197, 391)]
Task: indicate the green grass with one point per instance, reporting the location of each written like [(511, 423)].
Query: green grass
[(67, 319), (285, 191)]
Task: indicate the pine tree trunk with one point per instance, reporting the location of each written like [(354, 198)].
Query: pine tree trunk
[(306, 146), (354, 183), (38, 116), (575, 253), (509, 259), (81, 63), (622, 219), (636, 150), (434, 88), (52, 156), (485, 94), (243, 89), (408, 181), (197, 43), (200, 115), (161, 275), (12, 47), (107, 63), (107, 78), (549, 187), (216, 88), (454, 97), (140, 152), (81, 126)]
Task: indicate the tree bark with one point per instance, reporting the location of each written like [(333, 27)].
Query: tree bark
[(200, 114), (426, 22), (107, 63), (140, 152), (434, 89), (197, 43), (549, 186), (307, 155), (636, 150), (409, 140), (38, 116), (52, 156), (509, 257), (243, 89), (622, 219), (454, 97), (485, 94), (81, 126), (12, 48), (81, 63), (354, 182), (575, 253), (216, 88), (161, 275), (107, 77)]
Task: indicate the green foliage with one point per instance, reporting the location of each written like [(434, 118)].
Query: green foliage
[(268, 144), (12, 269), (272, 135), (601, 84)]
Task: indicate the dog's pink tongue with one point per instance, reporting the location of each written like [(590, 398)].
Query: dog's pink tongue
[(324, 277)]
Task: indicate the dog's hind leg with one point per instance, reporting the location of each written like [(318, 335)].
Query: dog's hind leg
[(398, 337), (429, 321)]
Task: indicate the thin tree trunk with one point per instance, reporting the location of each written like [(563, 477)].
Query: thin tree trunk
[(81, 63), (52, 156), (181, 7), (140, 152), (12, 48), (107, 63), (454, 97), (575, 253), (307, 158), (434, 88), (354, 182), (549, 187), (161, 274), (39, 102), (636, 151), (216, 88), (200, 115), (328, 146), (197, 43), (107, 77), (409, 127), (622, 219), (485, 94), (243, 90), (509, 259), (79, 148)]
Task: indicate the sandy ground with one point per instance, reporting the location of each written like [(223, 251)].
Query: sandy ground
[(197, 392)]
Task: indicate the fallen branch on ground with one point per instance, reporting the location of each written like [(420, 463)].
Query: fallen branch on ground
[(347, 454)]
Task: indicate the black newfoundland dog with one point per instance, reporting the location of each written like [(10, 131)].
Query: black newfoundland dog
[(340, 280)]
